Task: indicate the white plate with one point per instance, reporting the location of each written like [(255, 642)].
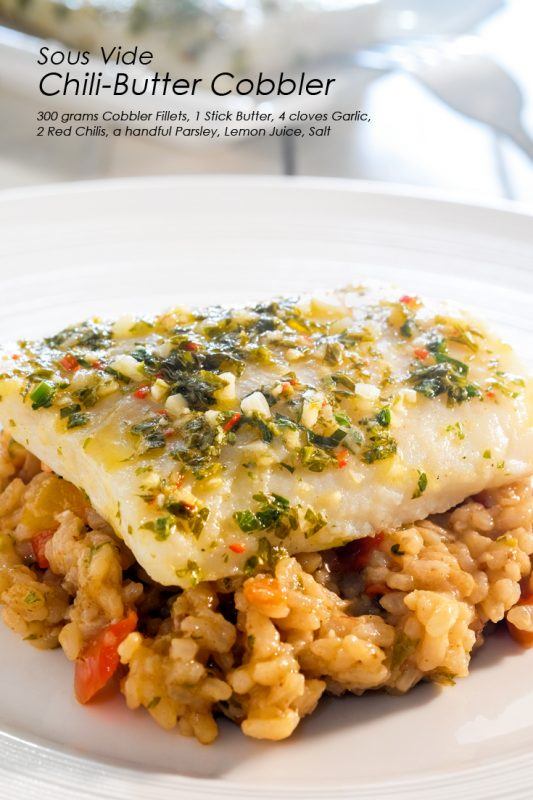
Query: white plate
[(106, 247)]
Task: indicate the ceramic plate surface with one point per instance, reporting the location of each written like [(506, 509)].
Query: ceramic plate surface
[(77, 250)]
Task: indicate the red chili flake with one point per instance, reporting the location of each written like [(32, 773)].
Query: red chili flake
[(237, 548), (179, 481), (407, 300), (421, 353), (232, 421), (98, 364), (15, 356), (343, 456), (191, 346), (490, 394), (69, 362), (141, 392), (168, 433)]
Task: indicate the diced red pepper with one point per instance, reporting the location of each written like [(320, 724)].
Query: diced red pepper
[(191, 346), (99, 660), (38, 543), (141, 392), (356, 555), (421, 353), (376, 589), (343, 456), (69, 362), (264, 590), (237, 548), (232, 421)]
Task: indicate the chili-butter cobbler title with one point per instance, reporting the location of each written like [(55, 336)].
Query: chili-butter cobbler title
[(61, 81)]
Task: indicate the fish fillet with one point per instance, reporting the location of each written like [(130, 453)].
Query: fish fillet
[(214, 440)]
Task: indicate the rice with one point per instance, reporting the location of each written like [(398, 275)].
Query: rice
[(409, 605)]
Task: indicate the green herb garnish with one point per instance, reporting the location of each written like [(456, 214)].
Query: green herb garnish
[(274, 513), (161, 527), (77, 420), (42, 395), (191, 571), (403, 647), (421, 484)]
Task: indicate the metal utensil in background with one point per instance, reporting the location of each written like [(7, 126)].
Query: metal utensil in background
[(469, 81), (474, 84)]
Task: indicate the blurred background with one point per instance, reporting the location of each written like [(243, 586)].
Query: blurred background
[(448, 85)]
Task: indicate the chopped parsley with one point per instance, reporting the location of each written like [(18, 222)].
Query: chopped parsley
[(32, 598), (407, 328), (403, 648), (384, 417), (191, 571), (274, 514), (77, 420), (315, 522), (161, 527), (444, 378), (197, 388), (421, 485), (378, 444), (197, 445), (265, 558), (194, 517), (457, 430), (447, 376), (151, 432)]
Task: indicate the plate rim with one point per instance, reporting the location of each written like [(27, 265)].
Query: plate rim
[(385, 189)]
